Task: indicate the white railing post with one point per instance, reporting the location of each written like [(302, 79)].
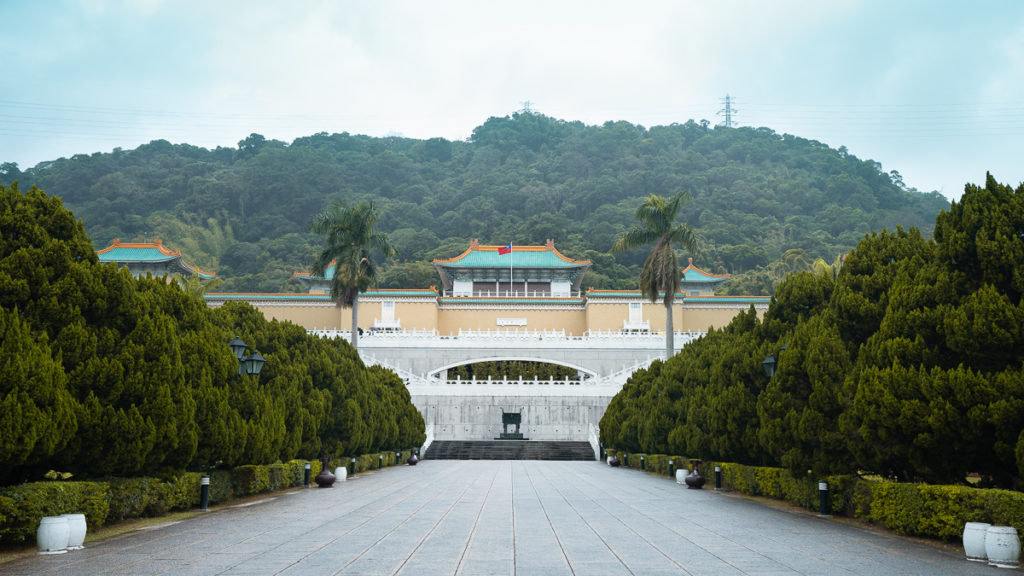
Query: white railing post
[(595, 440)]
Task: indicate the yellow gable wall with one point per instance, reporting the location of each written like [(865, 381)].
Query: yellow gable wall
[(703, 319), (319, 316), (571, 321), (607, 316), (412, 315)]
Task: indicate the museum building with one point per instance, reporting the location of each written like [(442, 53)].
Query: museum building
[(486, 288)]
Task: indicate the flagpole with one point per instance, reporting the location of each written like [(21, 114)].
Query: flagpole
[(510, 270)]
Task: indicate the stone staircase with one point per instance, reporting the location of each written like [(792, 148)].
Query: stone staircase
[(508, 450)]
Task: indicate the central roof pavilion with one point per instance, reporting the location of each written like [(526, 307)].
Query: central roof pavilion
[(511, 270)]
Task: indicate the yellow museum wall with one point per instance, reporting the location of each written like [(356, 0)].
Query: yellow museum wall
[(572, 321), (327, 316), (414, 315), (610, 316), (427, 316), (703, 319), (319, 316)]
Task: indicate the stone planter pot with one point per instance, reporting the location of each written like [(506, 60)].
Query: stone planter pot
[(341, 473), (680, 476), (694, 478), (324, 479), (52, 535), (974, 541), (413, 460), (76, 531), (1002, 546)]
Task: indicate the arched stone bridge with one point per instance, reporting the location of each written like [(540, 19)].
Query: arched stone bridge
[(552, 409)]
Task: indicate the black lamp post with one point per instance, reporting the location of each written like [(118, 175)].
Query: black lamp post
[(770, 363), (246, 364)]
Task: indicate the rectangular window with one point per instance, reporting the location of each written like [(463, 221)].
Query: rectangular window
[(636, 312)]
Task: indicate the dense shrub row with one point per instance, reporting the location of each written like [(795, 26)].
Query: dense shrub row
[(931, 511), (109, 501), (908, 364), (103, 374)]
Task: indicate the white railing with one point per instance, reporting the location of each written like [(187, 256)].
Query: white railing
[(595, 440), (430, 439), (520, 381), (628, 326), (511, 294), (515, 334), (408, 377), (621, 376), (389, 325), (555, 337)]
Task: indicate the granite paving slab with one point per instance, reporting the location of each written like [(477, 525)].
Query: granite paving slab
[(505, 518)]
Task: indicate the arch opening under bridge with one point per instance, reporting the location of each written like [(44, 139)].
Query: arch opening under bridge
[(440, 373)]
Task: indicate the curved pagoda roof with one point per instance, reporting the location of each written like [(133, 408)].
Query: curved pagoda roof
[(695, 279), (149, 254), (308, 278), (533, 262)]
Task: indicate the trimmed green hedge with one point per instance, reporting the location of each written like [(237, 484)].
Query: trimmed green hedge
[(936, 511), (22, 507), (117, 499), (913, 509), (371, 461), (652, 463)]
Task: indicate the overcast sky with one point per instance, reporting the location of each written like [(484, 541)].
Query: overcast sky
[(932, 89)]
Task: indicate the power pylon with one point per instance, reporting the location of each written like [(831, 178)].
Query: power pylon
[(728, 111)]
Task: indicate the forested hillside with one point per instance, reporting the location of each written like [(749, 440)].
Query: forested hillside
[(764, 203)]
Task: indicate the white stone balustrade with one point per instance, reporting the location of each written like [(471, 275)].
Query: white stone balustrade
[(495, 338)]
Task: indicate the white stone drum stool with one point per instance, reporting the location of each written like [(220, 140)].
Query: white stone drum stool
[(1002, 546), (974, 541), (76, 531), (52, 535)]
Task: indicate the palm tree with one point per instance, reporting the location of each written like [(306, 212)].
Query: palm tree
[(193, 284), (821, 266), (660, 274), (351, 244)]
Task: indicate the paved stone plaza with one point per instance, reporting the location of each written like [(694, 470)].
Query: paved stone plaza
[(509, 518)]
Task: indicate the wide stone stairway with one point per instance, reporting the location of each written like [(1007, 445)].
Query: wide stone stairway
[(509, 450)]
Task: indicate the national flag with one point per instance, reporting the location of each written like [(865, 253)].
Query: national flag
[(504, 250)]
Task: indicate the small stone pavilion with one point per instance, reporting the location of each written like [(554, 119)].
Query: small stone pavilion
[(153, 257), (511, 271)]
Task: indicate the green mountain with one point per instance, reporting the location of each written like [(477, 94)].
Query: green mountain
[(764, 203)]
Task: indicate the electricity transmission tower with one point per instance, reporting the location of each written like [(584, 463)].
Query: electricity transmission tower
[(728, 111)]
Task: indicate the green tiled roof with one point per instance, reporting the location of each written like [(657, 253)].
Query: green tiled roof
[(262, 296), (520, 257), (328, 274), (693, 275), (498, 300), (622, 294), (146, 253), (728, 299), (311, 297), (597, 294), (135, 255)]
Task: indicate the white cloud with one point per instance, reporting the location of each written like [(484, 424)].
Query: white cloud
[(881, 78)]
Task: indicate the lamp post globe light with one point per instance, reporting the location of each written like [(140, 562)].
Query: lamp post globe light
[(769, 365), (246, 364)]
